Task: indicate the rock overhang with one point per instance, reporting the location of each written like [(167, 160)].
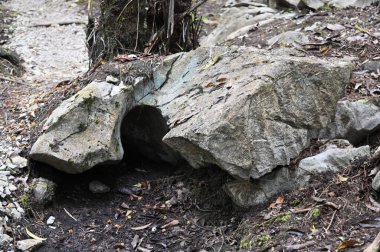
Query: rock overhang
[(242, 109)]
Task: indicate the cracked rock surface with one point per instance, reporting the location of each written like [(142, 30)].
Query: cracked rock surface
[(242, 109)]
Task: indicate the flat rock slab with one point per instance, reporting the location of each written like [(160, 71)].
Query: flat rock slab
[(247, 110)]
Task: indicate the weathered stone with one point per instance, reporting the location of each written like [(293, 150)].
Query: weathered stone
[(5, 240), (43, 191), (333, 158), (29, 244), (351, 3), (354, 121), (235, 22), (372, 65), (248, 111), (84, 130), (313, 4), (98, 187), (289, 38)]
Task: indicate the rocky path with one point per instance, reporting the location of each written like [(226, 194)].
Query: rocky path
[(49, 36)]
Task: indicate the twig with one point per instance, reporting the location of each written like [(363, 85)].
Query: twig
[(375, 245), (69, 214), (11, 80), (331, 221)]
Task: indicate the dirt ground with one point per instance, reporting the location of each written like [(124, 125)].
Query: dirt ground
[(155, 207)]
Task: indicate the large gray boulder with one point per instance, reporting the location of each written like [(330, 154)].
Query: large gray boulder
[(245, 110), (354, 121), (248, 111), (84, 130)]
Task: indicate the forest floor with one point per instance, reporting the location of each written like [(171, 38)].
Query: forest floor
[(155, 207)]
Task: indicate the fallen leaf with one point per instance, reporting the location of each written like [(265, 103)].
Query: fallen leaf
[(346, 244), (128, 215), (31, 235), (141, 227), (342, 178), (280, 200)]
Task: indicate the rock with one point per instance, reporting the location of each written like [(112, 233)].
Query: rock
[(69, 142), (289, 38), (235, 22), (98, 187), (333, 158), (43, 191), (111, 79), (29, 244), (313, 4), (376, 182), (5, 240), (19, 162), (372, 65), (249, 112), (351, 3), (293, 3), (50, 220), (16, 215), (354, 121)]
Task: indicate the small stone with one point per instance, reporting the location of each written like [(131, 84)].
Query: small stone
[(5, 240), (43, 191), (124, 205), (15, 214), (98, 187), (50, 220), (19, 162), (29, 244), (12, 187), (372, 65), (111, 79)]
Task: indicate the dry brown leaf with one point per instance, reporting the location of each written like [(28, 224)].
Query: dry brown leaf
[(346, 244)]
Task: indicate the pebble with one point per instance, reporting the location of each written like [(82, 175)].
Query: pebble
[(50, 220), (111, 79)]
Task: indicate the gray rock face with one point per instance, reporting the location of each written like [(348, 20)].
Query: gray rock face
[(289, 38), (249, 112), (84, 130), (333, 158), (245, 110), (354, 121)]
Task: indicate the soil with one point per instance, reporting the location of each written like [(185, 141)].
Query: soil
[(156, 207)]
